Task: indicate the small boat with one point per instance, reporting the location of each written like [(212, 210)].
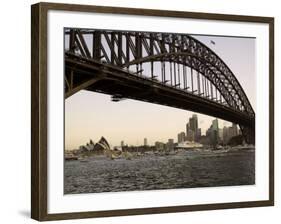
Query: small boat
[(220, 151), (113, 156), (83, 160), (139, 154), (70, 157), (127, 155)]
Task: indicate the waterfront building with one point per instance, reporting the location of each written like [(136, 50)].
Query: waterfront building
[(159, 146), (101, 145), (205, 140), (225, 135), (190, 135), (181, 137), (233, 130), (213, 132), (170, 144), (197, 135), (230, 132)]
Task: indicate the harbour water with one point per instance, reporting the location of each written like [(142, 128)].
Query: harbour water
[(186, 169)]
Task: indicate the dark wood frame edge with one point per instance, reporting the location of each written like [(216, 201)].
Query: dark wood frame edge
[(39, 110), (38, 113)]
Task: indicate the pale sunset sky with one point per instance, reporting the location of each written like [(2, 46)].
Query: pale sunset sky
[(90, 115)]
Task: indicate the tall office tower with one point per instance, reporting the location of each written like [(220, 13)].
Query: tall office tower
[(193, 123), (145, 142)]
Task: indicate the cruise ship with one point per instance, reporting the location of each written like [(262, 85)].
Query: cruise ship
[(188, 145)]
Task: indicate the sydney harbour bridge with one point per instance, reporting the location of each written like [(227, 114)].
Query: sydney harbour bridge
[(175, 70)]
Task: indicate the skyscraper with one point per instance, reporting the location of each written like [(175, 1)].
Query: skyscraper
[(187, 129), (214, 132), (235, 129), (145, 142), (232, 131), (225, 135), (198, 135), (190, 135), (220, 134), (215, 125), (192, 129), (193, 123), (181, 137)]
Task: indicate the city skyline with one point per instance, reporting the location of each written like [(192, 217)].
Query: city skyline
[(145, 140), (183, 136), (134, 120)]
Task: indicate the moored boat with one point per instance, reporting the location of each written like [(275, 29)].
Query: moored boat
[(70, 157)]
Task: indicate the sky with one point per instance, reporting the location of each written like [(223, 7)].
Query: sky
[(90, 115)]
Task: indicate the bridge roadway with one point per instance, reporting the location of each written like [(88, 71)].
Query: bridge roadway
[(120, 83)]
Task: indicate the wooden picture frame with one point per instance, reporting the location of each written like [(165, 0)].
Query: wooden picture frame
[(39, 109)]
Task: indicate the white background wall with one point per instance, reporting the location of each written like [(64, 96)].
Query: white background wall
[(15, 111)]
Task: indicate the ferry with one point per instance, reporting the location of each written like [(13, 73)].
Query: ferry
[(189, 145)]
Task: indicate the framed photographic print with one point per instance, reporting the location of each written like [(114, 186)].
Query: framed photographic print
[(139, 111)]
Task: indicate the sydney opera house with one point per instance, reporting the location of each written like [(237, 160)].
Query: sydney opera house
[(98, 147)]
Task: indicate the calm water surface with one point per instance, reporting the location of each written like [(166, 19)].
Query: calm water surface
[(184, 170)]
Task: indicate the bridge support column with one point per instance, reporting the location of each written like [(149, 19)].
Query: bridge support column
[(97, 45), (248, 134)]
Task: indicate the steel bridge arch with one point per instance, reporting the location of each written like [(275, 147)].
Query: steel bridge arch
[(207, 58), (198, 65)]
